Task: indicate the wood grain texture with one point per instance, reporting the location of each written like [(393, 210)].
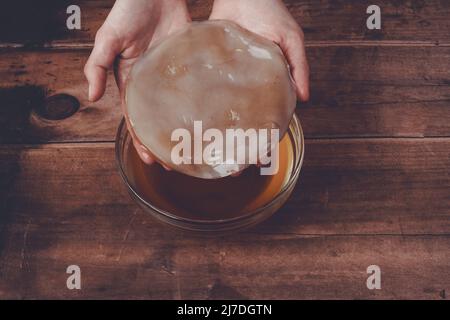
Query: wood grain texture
[(361, 199), (251, 268), (356, 92), (374, 201), (28, 78), (349, 186), (335, 20)]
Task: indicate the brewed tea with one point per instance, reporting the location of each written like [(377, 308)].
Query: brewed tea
[(209, 199)]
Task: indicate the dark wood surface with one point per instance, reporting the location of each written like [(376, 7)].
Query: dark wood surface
[(356, 91), (374, 188), (322, 20)]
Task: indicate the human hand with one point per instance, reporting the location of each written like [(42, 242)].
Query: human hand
[(131, 27), (272, 20)]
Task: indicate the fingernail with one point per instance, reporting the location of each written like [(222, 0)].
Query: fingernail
[(90, 92), (145, 156)]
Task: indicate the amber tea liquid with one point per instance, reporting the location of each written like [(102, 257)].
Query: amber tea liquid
[(209, 199)]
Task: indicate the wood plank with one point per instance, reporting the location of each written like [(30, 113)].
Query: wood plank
[(358, 203), (356, 92), (44, 21), (346, 20), (27, 78), (146, 267), (347, 186)]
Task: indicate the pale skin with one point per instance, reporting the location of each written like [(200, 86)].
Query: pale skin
[(132, 26)]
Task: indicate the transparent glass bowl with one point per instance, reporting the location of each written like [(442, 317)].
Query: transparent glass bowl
[(213, 227)]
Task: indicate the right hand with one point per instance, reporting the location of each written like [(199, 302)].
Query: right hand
[(131, 27)]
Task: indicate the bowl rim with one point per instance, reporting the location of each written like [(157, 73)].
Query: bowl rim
[(292, 180)]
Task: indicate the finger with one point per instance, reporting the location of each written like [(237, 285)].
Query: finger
[(294, 49), (105, 50), (122, 68), (143, 153), (145, 156)]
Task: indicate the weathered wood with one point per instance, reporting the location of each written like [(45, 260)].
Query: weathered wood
[(346, 20), (135, 265), (44, 21), (348, 186), (359, 202), (356, 91), (27, 78)]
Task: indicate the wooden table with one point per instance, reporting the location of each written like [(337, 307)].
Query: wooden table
[(374, 189)]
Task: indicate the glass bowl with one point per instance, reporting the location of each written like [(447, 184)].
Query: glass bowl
[(217, 225)]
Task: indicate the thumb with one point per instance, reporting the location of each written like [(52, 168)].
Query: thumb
[(106, 48), (294, 49)]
